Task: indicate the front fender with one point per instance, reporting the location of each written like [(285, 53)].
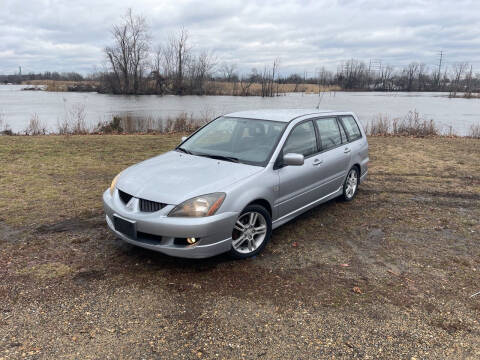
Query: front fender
[(262, 186)]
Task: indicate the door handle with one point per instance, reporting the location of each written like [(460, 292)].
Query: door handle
[(317, 162), (347, 150)]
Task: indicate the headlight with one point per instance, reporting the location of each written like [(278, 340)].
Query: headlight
[(114, 182), (205, 205)]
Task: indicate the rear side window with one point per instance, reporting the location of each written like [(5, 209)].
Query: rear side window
[(329, 133), (302, 140), (342, 132), (351, 127)]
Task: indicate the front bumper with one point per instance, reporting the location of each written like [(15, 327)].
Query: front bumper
[(214, 231)]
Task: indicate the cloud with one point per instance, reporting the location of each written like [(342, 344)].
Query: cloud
[(61, 35)]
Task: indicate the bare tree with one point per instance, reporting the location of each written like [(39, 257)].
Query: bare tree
[(386, 75), (410, 73), (458, 71), (228, 71), (176, 56), (128, 55), (324, 77), (352, 74), (199, 69), (268, 79), (245, 84), (469, 82), (157, 62), (421, 77)]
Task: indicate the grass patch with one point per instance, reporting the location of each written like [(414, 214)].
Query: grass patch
[(47, 178), (403, 255)]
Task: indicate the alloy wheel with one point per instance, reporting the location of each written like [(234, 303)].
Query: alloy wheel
[(249, 232), (352, 183)]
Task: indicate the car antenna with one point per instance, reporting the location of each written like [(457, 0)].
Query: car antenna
[(320, 97)]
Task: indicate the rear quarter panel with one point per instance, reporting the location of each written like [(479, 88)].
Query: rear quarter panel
[(360, 149)]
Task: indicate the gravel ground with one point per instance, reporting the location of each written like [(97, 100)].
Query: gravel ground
[(389, 275)]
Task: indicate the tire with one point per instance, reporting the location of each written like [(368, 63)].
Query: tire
[(253, 217), (350, 186)]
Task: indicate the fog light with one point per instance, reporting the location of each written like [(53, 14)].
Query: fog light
[(191, 240)]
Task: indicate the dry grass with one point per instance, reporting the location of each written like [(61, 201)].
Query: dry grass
[(35, 126), (61, 176), (474, 131), (53, 173), (388, 275), (131, 125), (412, 124), (211, 87), (4, 126), (255, 89), (74, 121)]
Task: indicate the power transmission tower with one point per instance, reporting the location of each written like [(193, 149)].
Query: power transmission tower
[(374, 68), (440, 60)]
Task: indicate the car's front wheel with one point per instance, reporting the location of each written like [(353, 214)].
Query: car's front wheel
[(251, 233)]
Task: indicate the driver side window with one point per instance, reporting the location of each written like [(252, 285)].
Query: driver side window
[(302, 140)]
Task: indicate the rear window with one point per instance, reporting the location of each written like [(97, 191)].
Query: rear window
[(351, 127)]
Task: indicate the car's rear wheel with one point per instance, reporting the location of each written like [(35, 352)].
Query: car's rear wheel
[(350, 186), (251, 232)]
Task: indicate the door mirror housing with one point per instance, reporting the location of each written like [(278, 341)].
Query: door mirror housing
[(292, 159)]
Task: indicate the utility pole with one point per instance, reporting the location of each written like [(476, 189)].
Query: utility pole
[(440, 59)]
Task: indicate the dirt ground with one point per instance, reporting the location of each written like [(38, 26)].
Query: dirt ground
[(389, 275)]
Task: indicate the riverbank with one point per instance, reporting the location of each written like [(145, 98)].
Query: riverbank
[(389, 275), (412, 124)]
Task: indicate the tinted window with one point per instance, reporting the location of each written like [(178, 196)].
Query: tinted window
[(342, 132), (329, 133), (351, 128), (301, 140)]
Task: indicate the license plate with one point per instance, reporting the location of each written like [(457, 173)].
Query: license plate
[(125, 227)]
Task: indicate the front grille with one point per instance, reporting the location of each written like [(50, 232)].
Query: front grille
[(145, 205), (150, 206), (124, 196)]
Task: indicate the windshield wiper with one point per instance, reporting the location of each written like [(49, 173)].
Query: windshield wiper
[(220, 157), (184, 150)]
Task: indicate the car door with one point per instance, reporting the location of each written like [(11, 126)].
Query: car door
[(298, 184), (335, 155)]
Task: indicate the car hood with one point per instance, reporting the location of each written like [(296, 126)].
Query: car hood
[(174, 177)]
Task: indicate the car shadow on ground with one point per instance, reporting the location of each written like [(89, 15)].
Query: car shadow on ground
[(155, 260)]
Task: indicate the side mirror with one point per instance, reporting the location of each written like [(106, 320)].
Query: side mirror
[(184, 138), (293, 159)]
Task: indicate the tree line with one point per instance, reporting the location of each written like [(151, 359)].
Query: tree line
[(134, 66), (47, 75), (357, 75)]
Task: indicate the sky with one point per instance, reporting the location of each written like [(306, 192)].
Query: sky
[(66, 35)]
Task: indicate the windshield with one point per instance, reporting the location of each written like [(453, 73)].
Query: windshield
[(247, 141)]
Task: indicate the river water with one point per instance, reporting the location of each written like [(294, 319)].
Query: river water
[(17, 107)]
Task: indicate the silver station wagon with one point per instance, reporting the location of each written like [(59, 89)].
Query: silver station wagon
[(226, 186)]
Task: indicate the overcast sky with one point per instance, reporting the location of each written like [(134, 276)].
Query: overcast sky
[(66, 35)]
